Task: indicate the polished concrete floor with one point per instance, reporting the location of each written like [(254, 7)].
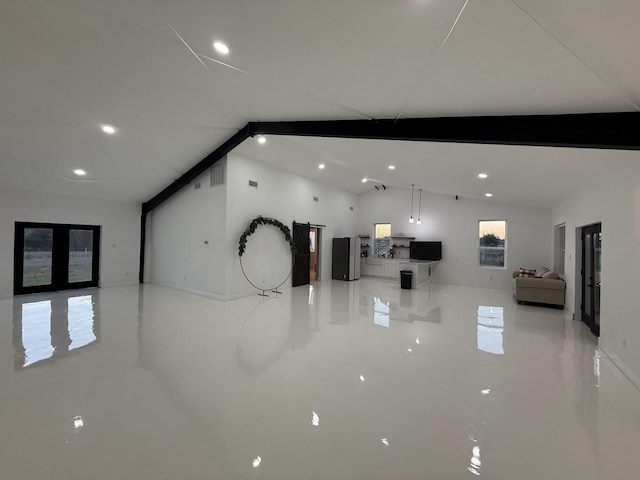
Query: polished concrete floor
[(357, 380)]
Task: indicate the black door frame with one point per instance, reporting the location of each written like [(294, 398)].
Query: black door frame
[(586, 283), (59, 258)]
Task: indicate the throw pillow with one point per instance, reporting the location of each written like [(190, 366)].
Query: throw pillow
[(524, 272), (550, 275), (541, 271)]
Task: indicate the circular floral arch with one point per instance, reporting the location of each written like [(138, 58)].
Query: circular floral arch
[(253, 226)]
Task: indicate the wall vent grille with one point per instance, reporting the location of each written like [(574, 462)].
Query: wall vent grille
[(315, 199), (253, 183), (218, 174)]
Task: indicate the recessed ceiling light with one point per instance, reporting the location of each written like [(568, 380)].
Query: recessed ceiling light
[(482, 175), (392, 167), (221, 47), (79, 171), (321, 166), (488, 194), (262, 139), (108, 129), (364, 180)]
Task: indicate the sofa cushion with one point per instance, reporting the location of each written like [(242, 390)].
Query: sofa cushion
[(550, 275), (539, 283), (525, 272), (540, 272)]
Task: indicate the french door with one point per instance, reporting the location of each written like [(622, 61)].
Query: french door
[(50, 257), (591, 252)]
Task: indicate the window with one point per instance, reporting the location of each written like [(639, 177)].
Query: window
[(381, 238), (559, 250), (492, 243)]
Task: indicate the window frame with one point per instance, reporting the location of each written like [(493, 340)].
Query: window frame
[(375, 244), (506, 244)]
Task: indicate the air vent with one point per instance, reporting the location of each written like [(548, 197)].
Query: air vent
[(196, 186), (217, 174), (253, 183), (315, 199)]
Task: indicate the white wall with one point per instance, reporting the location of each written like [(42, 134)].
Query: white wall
[(287, 198), (187, 239), (615, 202), (120, 233), (455, 223)]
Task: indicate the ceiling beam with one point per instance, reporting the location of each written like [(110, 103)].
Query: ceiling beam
[(620, 131), (197, 170)]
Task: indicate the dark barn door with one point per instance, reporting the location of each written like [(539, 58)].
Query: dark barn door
[(301, 264)]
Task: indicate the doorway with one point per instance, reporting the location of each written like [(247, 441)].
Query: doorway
[(50, 257), (314, 250), (302, 259), (306, 266), (590, 273)]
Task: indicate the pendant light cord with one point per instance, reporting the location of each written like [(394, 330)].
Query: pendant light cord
[(411, 213)]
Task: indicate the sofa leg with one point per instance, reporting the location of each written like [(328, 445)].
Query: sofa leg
[(519, 302)]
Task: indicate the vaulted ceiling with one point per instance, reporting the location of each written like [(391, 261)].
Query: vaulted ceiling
[(147, 67)]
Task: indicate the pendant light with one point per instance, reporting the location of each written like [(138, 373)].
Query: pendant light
[(420, 208), (411, 214)]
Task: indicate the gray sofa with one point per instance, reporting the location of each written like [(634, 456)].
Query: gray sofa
[(548, 291)]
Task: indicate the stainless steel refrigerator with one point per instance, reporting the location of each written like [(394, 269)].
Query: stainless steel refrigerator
[(345, 264)]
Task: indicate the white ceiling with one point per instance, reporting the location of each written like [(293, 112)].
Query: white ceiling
[(68, 66)]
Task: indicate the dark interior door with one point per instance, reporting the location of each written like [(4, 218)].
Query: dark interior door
[(302, 259), (591, 254), (50, 257)]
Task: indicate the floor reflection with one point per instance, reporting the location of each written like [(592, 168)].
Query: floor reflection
[(490, 329), (45, 330)]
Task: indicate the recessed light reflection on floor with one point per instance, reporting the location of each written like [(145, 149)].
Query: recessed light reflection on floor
[(362, 378), (315, 419), (475, 462), (385, 442), (486, 391), (78, 422), (256, 462)]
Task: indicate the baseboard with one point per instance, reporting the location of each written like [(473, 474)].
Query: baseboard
[(632, 376), (118, 284)]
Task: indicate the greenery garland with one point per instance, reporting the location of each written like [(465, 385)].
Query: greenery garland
[(242, 244)]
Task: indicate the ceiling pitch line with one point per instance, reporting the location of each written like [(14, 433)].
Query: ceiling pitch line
[(415, 87), (299, 91), (626, 96), (236, 106), (188, 47), (454, 25)]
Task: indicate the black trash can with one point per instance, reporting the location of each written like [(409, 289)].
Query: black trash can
[(406, 276)]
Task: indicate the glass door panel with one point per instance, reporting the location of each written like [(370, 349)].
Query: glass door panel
[(80, 255), (51, 256), (37, 256)]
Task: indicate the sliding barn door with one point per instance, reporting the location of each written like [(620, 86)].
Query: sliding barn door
[(301, 264)]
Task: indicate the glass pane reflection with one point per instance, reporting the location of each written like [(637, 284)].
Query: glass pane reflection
[(380, 312), (490, 329), (80, 319), (50, 329), (36, 332)]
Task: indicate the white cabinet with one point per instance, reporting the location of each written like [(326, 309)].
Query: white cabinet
[(380, 267), (391, 268)]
